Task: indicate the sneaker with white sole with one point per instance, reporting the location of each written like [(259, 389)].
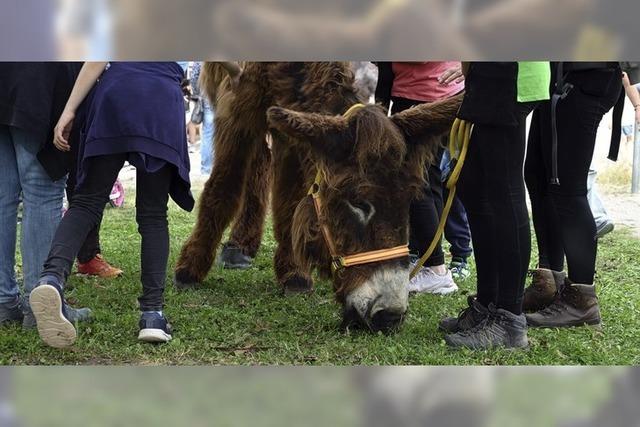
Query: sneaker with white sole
[(52, 316), (154, 328), (428, 281)]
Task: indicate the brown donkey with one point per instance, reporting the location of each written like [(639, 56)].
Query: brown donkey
[(372, 166)]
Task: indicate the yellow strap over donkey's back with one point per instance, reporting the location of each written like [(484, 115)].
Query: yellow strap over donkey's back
[(458, 146)]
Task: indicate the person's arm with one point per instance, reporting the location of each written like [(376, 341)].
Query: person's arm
[(632, 94), (86, 80)]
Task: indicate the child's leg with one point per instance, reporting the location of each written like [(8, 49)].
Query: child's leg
[(84, 213), (151, 214)]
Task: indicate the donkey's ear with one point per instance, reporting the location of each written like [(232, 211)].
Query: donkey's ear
[(419, 124), (306, 126)]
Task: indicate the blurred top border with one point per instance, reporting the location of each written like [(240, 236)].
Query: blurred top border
[(312, 30)]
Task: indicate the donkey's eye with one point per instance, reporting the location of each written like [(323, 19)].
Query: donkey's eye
[(362, 209)]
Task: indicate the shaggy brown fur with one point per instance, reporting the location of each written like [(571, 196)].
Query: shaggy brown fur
[(369, 162)]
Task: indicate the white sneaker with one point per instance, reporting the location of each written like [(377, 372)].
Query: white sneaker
[(428, 281)]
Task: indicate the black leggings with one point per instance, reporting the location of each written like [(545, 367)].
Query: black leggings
[(562, 217), (425, 212), (91, 246), (86, 212), (492, 190)]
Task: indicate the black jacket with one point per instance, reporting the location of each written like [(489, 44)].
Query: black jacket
[(32, 97)]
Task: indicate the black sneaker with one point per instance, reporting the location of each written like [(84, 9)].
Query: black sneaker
[(11, 311), (154, 328), (232, 257), (500, 329), (467, 319), (52, 315)]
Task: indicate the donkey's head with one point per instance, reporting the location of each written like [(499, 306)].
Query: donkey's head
[(372, 167)]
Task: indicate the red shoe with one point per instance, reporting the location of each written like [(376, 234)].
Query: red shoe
[(99, 267)]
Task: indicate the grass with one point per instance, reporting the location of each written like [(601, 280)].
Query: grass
[(241, 318)]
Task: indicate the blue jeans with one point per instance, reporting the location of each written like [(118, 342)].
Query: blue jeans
[(206, 142), (42, 201), (457, 230)]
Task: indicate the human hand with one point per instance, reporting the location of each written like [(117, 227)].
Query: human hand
[(62, 131), (451, 75)]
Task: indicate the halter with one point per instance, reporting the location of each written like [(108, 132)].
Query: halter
[(339, 262)]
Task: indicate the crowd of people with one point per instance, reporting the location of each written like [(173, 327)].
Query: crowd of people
[(73, 126)]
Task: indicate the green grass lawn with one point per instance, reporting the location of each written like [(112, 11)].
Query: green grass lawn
[(241, 317)]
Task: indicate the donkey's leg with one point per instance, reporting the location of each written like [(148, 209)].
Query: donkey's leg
[(247, 230), (235, 143), (288, 190)]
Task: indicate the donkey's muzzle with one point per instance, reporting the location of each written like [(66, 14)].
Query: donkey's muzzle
[(386, 321)]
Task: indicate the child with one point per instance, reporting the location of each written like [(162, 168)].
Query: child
[(134, 113)]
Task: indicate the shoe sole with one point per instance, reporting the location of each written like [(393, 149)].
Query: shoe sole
[(100, 276), (54, 329), (442, 290), (154, 336), (597, 325), (228, 266)]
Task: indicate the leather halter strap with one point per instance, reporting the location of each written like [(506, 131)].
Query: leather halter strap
[(338, 262)]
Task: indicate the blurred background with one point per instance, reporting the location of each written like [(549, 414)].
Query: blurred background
[(308, 29), (269, 396)]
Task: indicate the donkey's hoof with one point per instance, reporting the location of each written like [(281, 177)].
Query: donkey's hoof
[(183, 280), (297, 285)]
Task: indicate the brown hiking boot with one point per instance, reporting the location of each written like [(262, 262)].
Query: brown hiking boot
[(574, 305), (543, 289)]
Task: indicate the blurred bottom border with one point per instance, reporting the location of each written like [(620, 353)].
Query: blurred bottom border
[(319, 396)]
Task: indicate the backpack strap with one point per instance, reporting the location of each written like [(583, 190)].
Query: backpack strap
[(616, 127)]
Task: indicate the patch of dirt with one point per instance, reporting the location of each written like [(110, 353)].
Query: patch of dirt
[(623, 209)]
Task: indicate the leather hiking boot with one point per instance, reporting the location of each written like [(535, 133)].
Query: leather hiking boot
[(574, 305), (501, 328), (98, 267), (467, 319), (544, 286), (232, 257)]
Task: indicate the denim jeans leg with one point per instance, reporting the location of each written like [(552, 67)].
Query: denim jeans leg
[(595, 202), (42, 201), (206, 142), (9, 199)]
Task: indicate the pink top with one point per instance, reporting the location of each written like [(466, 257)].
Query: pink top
[(419, 80)]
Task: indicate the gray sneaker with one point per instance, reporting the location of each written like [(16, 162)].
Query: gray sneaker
[(575, 305), (604, 228), (232, 258), (11, 312), (74, 315), (54, 318), (468, 317), (500, 329)]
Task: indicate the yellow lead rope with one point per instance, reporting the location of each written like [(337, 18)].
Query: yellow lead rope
[(458, 146)]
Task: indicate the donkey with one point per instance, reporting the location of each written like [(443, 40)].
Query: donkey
[(370, 167)]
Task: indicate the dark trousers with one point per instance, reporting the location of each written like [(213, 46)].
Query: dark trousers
[(425, 212), (492, 190), (562, 217), (91, 246), (86, 210)]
